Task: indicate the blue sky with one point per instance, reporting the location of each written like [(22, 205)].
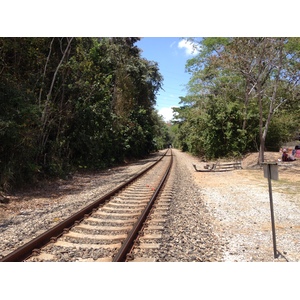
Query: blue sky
[(171, 54)]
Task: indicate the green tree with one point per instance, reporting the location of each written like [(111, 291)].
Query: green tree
[(70, 102), (239, 79)]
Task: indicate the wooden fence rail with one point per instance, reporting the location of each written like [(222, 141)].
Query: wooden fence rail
[(220, 167)]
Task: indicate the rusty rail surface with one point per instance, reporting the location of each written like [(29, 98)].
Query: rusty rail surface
[(127, 245), (43, 239)]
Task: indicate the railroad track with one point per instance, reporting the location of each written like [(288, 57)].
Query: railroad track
[(146, 247), (107, 229)]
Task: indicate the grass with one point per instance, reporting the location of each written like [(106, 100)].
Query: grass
[(288, 182), (286, 186)]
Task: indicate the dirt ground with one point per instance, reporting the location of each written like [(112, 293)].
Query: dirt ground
[(239, 202), (288, 172)]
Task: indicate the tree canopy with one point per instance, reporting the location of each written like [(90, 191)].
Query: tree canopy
[(88, 103), (71, 103), (243, 96)]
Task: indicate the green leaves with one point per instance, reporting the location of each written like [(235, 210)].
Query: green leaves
[(70, 102), (240, 89)]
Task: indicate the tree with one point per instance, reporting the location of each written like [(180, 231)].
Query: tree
[(260, 62), (266, 68), (70, 102)]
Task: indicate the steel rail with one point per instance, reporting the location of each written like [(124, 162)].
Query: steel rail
[(23, 252), (127, 244)]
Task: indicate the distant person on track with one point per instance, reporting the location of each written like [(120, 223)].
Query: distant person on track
[(286, 157)]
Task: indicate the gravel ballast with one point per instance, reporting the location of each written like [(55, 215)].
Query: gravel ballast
[(213, 217)]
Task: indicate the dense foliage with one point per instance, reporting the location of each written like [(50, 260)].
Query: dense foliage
[(243, 96), (69, 103)]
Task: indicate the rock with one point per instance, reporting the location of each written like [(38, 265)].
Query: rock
[(3, 199)]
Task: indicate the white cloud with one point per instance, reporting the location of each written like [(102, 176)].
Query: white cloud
[(189, 47), (167, 113)]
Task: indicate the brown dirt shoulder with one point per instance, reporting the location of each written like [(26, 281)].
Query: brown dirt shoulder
[(289, 172)]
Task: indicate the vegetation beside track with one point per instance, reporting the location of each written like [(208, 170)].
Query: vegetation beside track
[(74, 103)]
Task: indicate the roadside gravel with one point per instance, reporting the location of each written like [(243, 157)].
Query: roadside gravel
[(189, 232), (237, 208)]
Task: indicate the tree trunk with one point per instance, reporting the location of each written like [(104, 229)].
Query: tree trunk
[(247, 96), (262, 141), (263, 132), (46, 114)]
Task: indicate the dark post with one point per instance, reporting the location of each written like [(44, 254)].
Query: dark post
[(272, 211)]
